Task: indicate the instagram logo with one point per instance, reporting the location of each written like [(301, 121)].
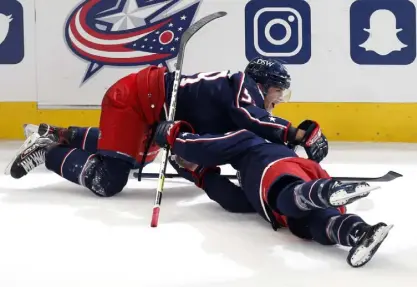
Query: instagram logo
[(279, 29)]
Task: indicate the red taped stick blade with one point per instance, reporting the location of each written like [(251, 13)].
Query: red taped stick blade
[(155, 216)]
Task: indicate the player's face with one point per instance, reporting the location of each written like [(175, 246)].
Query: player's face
[(274, 96)]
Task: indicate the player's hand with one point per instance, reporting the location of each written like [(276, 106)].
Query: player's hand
[(191, 171), (314, 141), (167, 132)]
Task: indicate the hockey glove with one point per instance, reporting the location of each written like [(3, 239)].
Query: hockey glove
[(314, 141), (190, 171), (167, 132)]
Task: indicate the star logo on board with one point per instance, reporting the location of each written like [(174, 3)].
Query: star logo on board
[(128, 32)]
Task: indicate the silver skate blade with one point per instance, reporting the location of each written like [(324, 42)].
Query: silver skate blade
[(29, 129), (372, 188), (368, 189), (28, 142)]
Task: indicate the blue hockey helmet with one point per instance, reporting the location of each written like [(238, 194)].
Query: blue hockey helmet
[(269, 73)]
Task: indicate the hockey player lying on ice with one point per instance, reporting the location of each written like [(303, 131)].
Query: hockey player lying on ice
[(284, 189), (218, 102)]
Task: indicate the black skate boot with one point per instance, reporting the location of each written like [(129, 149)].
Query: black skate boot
[(367, 241), (344, 193), (30, 155), (58, 134)]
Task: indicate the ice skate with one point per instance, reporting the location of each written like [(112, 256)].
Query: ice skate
[(55, 133), (367, 243), (345, 193), (29, 156)]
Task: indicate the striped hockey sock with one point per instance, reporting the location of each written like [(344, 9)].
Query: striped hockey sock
[(313, 194), (345, 229)]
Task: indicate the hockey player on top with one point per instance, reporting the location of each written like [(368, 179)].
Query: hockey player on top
[(216, 102)]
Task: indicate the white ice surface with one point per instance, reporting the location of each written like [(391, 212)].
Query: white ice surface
[(56, 234)]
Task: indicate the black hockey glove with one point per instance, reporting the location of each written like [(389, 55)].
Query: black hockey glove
[(190, 171), (167, 132), (314, 141)]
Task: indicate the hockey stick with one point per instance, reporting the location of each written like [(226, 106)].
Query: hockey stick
[(389, 176), (171, 115)]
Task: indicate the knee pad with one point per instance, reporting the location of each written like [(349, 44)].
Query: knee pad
[(105, 177)]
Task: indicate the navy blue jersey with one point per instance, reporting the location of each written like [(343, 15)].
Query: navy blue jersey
[(246, 152), (220, 102)]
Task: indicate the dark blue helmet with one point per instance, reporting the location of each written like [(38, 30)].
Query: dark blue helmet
[(268, 73)]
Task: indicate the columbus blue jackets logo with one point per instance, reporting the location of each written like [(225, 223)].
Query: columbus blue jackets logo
[(128, 32)]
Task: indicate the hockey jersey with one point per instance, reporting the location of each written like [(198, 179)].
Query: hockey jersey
[(219, 102), (249, 154)]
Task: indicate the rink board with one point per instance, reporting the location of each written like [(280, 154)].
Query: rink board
[(382, 122), (62, 65)]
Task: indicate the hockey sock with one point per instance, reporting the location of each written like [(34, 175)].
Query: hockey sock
[(85, 138), (298, 198), (105, 176), (344, 229), (67, 162), (328, 226)]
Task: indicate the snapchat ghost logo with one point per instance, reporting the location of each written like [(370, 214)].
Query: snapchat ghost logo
[(383, 32), (383, 37)]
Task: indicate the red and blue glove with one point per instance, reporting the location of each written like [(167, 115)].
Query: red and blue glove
[(167, 132), (314, 141)]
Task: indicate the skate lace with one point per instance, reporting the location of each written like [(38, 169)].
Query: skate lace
[(35, 159)]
